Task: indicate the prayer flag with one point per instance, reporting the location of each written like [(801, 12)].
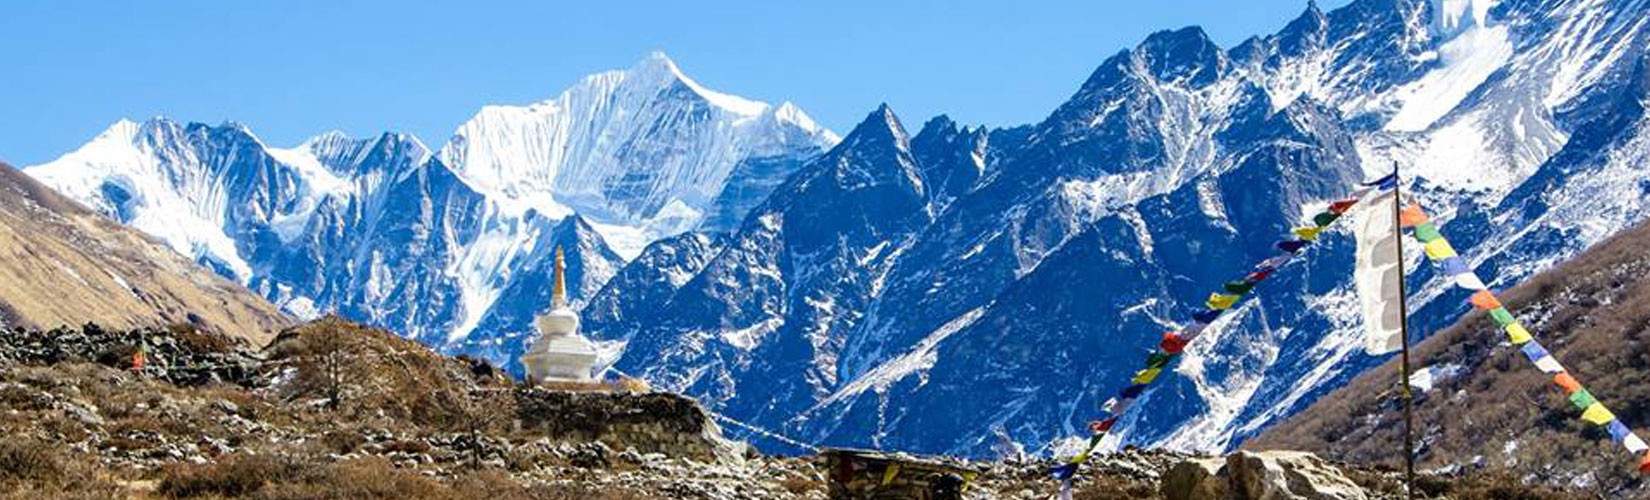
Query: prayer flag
[(1340, 207), (1501, 316), (1387, 182), (1644, 463), (1634, 444), (1582, 399), (1411, 215), (1376, 276), (1484, 300), (1172, 343), (1146, 376), (1207, 316), (1258, 276), (1455, 265), (1275, 262), (1292, 246), (1102, 425), (1158, 359), (1549, 365), (1567, 382), (1470, 281), (1440, 249), (1222, 301), (1133, 391), (1324, 219), (1239, 287), (1193, 330), (1619, 431), (1426, 232), (1533, 350), (1517, 334), (1308, 233), (1597, 414)]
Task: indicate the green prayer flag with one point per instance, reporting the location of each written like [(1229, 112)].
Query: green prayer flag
[(1239, 287), (1426, 232), (1501, 316), (1323, 219), (1158, 359), (1582, 399)]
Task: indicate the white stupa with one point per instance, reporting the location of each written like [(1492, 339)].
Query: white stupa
[(559, 352)]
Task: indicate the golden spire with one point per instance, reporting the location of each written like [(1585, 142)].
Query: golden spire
[(558, 292)]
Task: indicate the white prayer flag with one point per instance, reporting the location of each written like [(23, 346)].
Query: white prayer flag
[(1376, 274)]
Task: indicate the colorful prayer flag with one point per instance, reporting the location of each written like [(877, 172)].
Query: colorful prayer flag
[(1222, 301), (1644, 463), (1146, 376), (1426, 232), (1207, 316), (1567, 382), (1484, 300), (1470, 281), (1172, 343), (1308, 233), (1340, 207), (1501, 316), (1158, 359), (1133, 391), (1239, 287), (1582, 399), (1634, 444), (1455, 265), (1439, 249), (1102, 425), (1193, 330), (1292, 246), (1549, 364), (1533, 350), (1517, 334), (1597, 414), (1411, 215), (1325, 218), (1386, 182), (1619, 431)]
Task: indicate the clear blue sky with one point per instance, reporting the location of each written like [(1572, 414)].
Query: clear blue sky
[(291, 70)]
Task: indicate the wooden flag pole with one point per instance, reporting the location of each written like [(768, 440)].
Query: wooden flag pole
[(1403, 330)]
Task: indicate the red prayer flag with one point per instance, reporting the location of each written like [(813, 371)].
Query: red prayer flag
[(1172, 343), (1340, 207), (137, 359), (1644, 463), (1485, 301), (1099, 426)]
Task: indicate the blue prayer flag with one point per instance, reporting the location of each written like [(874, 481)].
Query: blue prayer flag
[(1455, 265), (1207, 316), (1533, 350), (1619, 431)]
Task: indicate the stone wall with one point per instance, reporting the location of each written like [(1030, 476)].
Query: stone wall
[(649, 422)]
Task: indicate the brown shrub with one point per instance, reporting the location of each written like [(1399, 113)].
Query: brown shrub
[(30, 461), (237, 475)]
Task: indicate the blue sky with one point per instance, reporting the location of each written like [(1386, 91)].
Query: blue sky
[(291, 70)]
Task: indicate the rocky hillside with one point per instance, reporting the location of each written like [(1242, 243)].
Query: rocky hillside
[(331, 409), (1487, 407), (62, 264)]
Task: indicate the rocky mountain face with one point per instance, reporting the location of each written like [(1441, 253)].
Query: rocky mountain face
[(1484, 406), (66, 265), (984, 284), (452, 247)]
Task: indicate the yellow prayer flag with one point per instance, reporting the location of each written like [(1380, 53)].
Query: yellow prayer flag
[(1308, 233), (1439, 249), (1517, 334), (1222, 301), (1146, 376), (1597, 414)]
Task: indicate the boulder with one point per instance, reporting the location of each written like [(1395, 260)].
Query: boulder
[(1278, 475), (1195, 479)]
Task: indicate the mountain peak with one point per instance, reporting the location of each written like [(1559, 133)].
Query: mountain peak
[(658, 70), (1185, 55)]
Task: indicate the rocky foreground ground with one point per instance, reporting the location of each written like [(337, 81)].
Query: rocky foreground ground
[(333, 410)]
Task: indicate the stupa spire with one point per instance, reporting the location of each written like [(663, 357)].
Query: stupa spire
[(558, 290)]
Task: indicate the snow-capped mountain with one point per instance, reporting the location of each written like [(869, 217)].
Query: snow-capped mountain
[(384, 231), (643, 148), (1019, 277)]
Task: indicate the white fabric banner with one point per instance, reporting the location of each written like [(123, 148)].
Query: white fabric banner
[(1376, 274)]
